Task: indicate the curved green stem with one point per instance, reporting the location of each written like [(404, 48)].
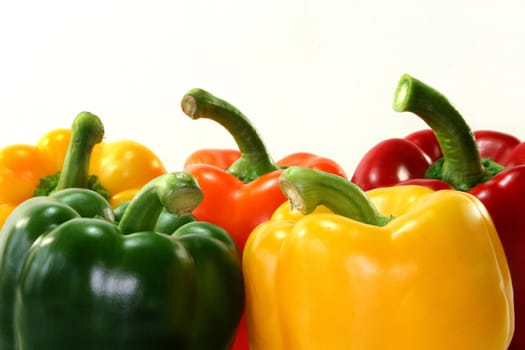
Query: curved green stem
[(308, 188), (87, 130), (461, 166), (255, 160), (178, 192)]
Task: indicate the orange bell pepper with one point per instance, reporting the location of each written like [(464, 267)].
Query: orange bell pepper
[(394, 268), (122, 167), (241, 187)]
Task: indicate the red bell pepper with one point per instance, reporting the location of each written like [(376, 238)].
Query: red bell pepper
[(241, 187), (488, 164)]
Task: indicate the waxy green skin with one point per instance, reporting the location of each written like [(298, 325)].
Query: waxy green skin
[(73, 282)]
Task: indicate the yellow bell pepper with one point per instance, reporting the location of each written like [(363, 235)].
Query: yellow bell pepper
[(122, 167), (400, 268)]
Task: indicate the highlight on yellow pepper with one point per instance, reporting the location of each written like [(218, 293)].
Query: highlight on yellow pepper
[(398, 268), (122, 167)]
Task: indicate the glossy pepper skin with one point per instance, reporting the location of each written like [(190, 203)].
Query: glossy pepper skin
[(488, 164), (338, 268), (122, 168), (125, 286), (241, 187)]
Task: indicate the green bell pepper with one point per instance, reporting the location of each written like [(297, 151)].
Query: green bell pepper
[(73, 278)]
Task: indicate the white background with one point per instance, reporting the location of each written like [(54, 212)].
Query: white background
[(316, 76)]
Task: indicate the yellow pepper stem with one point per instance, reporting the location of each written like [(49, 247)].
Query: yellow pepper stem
[(308, 188), (87, 130)]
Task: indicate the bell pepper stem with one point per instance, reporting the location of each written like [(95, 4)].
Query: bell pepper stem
[(255, 160), (461, 165), (86, 131), (308, 188), (178, 192)]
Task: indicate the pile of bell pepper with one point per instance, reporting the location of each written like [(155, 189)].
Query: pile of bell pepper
[(420, 248)]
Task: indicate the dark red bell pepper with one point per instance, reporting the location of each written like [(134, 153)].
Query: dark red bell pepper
[(241, 187), (488, 164)]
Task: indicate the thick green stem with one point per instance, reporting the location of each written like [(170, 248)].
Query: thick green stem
[(308, 188), (255, 160), (178, 192), (461, 165), (87, 130)]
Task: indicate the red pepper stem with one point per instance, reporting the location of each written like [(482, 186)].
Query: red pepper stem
[(462, 165), (178, 192), (308, 188), (255, 160), (86, 131)]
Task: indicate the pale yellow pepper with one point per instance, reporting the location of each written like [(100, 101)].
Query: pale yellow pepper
[(123, 167), (400, 268)]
